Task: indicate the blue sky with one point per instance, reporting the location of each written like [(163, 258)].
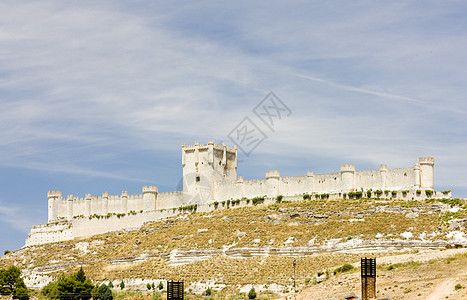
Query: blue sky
[(99, 95)]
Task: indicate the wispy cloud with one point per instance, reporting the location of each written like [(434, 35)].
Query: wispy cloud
[(362, 90)]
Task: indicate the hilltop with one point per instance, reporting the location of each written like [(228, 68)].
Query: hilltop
[(231, 248)]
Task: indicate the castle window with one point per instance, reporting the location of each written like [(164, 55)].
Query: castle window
[(198, 178)]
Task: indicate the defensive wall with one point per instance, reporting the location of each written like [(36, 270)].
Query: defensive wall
[(84, 226), (209, 176)]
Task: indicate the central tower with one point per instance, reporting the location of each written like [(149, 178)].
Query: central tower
[(204, 164)]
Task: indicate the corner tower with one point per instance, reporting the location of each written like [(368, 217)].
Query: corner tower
[(204, 164), (426, 172)]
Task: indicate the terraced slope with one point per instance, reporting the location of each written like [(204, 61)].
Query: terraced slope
[(231, 248)]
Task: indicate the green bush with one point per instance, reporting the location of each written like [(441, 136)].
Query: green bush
[(208, 292), (306, 197), (11, 283), (102, 292), (418, 192), (279, 198), (252, 293), (343, 268), (428, 193), (394, 193), (76, 286), (458, 287)]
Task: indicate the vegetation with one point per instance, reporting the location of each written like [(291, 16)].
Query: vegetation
[(103, 292), (252, 293), (343, 268), (76, 286), (11, 283)]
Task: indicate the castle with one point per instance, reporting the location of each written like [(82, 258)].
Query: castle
[(209, 176)]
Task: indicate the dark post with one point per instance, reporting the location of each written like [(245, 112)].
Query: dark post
[(175, 290), (294, 265), (368, 266)]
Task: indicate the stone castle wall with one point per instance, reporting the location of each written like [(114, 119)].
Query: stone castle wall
[(210, 175)]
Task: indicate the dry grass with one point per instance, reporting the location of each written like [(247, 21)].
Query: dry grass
[(272, 225)]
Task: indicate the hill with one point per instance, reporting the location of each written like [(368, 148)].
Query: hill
[(232, 248)]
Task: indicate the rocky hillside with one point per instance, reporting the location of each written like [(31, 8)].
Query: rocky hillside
[(233, 248)]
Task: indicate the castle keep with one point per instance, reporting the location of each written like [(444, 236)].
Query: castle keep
[(209, 176)]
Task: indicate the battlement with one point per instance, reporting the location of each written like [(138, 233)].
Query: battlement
[(383, 167), (427, 160), (124, 194), (197, 145), (150, 189), (347, 168), (273, 174), (54, 194)]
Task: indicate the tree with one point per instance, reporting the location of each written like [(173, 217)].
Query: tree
[(80, 275), (6, 252), (76, 286), (11, 283), (102, 292), (208, 292), (252, 293), (110, 285), (160, 286), (122, 285), (153, 286), (148, 286)]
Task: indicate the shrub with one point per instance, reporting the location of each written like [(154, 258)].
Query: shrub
[(160, 286), (102, 292), (458, 287), (418, 192), (306, 197), (257, 200), (368, 194), (252, 293), (446, 192), (394, 193), (208, 292), (148, 286), (343, 268), (428, 193), (110, 285), (6, 252), (122, 285), (279, 198)]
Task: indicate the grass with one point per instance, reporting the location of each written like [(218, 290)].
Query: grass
[(314, 219)]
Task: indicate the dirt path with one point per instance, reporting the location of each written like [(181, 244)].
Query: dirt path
[(442, 290)]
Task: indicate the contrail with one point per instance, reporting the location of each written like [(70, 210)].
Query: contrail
[(360, 90)]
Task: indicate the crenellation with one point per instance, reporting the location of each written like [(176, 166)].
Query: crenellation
[(210, 174)]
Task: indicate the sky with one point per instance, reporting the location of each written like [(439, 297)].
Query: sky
[(99, 96)]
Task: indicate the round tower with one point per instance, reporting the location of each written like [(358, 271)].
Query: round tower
[(53, 198), (149, 198), (87, 201), (123, 202), (272, 183), (348, 177), (416, 169), (69, 210), (426, 172), (383, 170)]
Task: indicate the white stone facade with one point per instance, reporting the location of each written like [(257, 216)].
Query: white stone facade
[(210, 175)]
